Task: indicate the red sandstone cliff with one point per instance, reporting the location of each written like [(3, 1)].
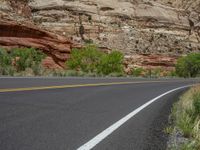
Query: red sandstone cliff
[(14, 35)]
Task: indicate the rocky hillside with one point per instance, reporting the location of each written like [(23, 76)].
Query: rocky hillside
[(186, 5), (150, 33)]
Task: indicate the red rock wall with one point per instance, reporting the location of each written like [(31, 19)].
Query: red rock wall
[(17, 35)]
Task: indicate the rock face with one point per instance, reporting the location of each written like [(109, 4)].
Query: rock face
[(143, 28), (17, 30), (13, 35), (190, 5), (161, 27)]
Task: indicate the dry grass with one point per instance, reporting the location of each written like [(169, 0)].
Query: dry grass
[(187, 120)]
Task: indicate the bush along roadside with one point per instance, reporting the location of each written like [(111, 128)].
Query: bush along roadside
[(184, 130), (188, 66), (26, 61), (90, 60)]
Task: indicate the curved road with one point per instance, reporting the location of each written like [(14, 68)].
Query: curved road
[(86, 113)]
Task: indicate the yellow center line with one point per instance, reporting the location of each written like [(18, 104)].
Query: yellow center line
[(74, 86)]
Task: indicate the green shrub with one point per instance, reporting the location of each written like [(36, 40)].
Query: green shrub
[(93, 61), (27, 58), (18, 60), (74, 62), (86, 59), (136, 72), (111, 63), (6, 67), (7, 70), (172, 74), (188, 66), (5, 59)]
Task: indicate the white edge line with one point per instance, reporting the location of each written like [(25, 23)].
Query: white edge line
[(101, 136)]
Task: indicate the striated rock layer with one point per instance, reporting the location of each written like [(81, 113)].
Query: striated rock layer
[(13, 35), (144, 30), (148, 27)]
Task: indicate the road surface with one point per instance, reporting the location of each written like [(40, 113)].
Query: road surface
[(86, 113)]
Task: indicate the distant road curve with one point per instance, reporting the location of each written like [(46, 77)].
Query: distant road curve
[(86, 113)]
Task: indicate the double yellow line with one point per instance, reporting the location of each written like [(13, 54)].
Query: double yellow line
[(73, 86)]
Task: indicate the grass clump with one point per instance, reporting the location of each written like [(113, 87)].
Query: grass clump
[(186, 119), (196, 104)]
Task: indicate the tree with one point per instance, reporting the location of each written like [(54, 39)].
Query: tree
[(86, 59), (188, 66), (111, 63), (91, 60)]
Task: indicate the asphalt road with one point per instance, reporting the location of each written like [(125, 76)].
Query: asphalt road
[(67, 117)]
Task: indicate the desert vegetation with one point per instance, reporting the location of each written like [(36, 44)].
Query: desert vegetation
[(88, 61), (91, 60), (188, 66), (185, 119), (20, 61)]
